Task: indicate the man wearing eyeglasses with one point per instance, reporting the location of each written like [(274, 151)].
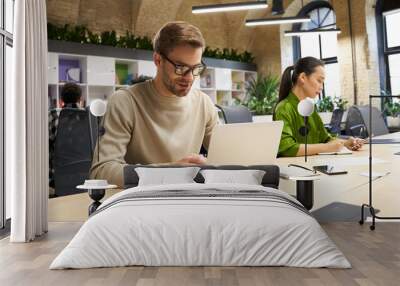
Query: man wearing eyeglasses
[(163, 120)]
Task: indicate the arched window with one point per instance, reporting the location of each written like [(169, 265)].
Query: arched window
[(322, 46), (388, 21)]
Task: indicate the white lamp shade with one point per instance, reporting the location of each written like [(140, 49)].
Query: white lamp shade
[(98, 107), (306, 107)]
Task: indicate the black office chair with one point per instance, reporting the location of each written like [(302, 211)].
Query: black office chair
[(357, 122), (93, 127), (73, 151), (235, 114), (334, 127)]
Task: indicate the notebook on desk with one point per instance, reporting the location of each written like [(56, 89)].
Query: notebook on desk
[(343, 151), (296, 171)]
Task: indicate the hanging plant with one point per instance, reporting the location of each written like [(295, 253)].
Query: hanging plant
[(81, 34), (52, 32), (76, 34), (144, 43), (109, 38), (130, 41), (57, 33), (93, 38), (246, 57)]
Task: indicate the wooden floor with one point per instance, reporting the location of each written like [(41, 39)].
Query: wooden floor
[(374, 255)]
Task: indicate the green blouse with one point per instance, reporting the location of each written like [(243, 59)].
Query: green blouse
[(291, 139)]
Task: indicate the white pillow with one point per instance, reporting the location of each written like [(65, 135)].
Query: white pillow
[(248, 177), (165, 176)]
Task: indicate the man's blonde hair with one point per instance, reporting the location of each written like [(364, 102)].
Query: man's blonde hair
[(175, 34)]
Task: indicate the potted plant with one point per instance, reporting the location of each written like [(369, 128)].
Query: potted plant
[(325, 107), (341, 103), (392, 111), (262, 96)]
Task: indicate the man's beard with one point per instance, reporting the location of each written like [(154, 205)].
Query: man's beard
[(172, 86)]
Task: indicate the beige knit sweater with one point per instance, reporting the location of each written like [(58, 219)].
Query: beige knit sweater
[(144, 127)]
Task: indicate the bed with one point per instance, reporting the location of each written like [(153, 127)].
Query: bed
[(201, 224)]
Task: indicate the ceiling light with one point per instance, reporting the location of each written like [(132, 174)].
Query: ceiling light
[(229, 7), (312, 32), (395, 11), (276, 21)]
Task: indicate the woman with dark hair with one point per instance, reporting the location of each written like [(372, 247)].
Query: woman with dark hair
[(305, 80)]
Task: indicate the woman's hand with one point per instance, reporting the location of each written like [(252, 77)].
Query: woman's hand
[(354, 144), (334, 145)]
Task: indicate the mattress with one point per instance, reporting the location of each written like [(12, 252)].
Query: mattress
[(201, 225)]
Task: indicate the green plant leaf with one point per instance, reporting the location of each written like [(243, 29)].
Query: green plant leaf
[(262, 94), (391, 108), (109, 38), (325, 104), (340, 103), (81, 34), (93, 38)]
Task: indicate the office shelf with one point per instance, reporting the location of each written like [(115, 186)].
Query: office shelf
[(101, 76), (224, 85)]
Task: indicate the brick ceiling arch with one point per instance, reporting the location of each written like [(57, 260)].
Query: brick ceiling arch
[(221, 30)]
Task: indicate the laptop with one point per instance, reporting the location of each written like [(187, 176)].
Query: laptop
[(245, 143)]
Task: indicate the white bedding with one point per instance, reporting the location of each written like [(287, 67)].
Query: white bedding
[(189, 230)]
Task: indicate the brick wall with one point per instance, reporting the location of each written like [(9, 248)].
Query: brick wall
[(364, 44), (272, 50)]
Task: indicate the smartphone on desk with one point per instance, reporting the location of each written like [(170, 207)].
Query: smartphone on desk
[(329, 170)]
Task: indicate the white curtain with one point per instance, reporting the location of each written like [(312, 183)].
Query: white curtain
[(26, 123)]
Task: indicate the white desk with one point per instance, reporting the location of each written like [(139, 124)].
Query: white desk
[(353, 188)]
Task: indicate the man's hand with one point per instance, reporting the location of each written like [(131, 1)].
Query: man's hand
[(354, 143), (193, 159)]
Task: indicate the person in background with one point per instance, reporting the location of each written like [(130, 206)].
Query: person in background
[(163, 120), (71, 95), (305, 79)]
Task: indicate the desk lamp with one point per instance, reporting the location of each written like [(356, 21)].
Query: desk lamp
[(98, 109), (96, 188), (305, 109)]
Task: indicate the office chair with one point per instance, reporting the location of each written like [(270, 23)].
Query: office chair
[(334, 126), (235, 114), (93, 126), (357, 122), (73, 151)]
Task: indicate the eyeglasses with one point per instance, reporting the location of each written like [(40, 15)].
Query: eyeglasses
[(183, 70)]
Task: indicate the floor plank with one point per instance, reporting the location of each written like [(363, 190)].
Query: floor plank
[(375, 257)]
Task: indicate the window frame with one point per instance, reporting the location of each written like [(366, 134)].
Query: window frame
[(297, 27), (6, 39), (383, 51), (388, 52)]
